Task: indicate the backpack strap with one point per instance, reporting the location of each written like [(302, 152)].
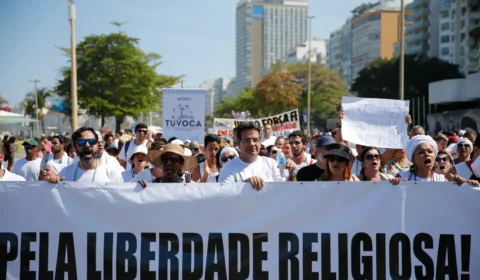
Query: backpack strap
[(127, 144)]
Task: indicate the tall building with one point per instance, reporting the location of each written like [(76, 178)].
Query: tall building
[(300, 53), (335, 50), (374, 34), (265, 31), (216, 91), (417, 33)]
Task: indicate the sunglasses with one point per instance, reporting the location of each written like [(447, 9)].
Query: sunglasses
[(463, 146), (225, 159), (83, 142), (441, 159), (372, 157), (337, 159), (166, 160), (142, 131)]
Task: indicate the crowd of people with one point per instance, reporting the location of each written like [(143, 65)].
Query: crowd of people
[(252, 155)]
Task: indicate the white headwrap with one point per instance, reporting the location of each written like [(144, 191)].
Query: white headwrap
[(476, 167), (228, 149), (413, 143), (461, 139)]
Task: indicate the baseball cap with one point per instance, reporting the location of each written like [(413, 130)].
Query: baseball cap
[(325, 141), (31, 142)]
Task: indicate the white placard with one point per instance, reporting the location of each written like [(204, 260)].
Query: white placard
[(375, 122), (184, 114), (286, 231)]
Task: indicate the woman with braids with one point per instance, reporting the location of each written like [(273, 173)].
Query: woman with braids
[(371, 161)]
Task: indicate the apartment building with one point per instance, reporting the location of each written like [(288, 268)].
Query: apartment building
[(417, 33), (300, 53)]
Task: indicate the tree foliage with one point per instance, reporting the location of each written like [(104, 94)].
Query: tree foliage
[(243, 102), (277, 92), (380, 79), (115, 78), (30, 105)]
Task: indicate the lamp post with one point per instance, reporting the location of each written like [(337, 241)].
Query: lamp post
[(72, 17), (402, 50), (36, 81), (309, 72)]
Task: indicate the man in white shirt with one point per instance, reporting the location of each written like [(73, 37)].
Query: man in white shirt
[(6, 175), (29, 166), (268, 139), (58, 158), (142, 135), (88, 168), (250, 167)]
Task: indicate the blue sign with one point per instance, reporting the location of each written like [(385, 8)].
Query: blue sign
[(257, 12)]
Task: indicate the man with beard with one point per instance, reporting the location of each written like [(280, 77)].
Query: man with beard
[(57, 159), (29, 166), (6, 175), (88, 168), (298, 144)]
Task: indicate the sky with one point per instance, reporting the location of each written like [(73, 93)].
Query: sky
[(196, 38)]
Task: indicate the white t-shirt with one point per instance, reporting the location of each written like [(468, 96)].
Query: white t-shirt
[(306, 162), (145, 175), (58, 165), (411, 177), (9, 176), (105, 159), (268, 142), (129, 152), (237, 170), (102, 174), (212, 177), (30, 170), (128, 175)]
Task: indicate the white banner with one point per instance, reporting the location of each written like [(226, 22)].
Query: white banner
[(282, 124), (184, 114), (358, 230), (375, 122)]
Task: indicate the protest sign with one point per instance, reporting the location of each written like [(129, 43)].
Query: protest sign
[(184, 113), (375, 122), (332, 230), (282, 124)]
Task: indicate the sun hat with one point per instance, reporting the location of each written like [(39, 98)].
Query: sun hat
[(189, 162), (141, 149)]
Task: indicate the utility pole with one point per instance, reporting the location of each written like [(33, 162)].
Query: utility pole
[(309, 73), (402, 50), (36, 81), (72, 18)]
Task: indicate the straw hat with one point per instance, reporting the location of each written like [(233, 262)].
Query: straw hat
[(155, 155)]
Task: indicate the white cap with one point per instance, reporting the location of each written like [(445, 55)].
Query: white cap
[(187, 152), (142, 149), (178, 142)]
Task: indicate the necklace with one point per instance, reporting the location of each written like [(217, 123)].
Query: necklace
[(94, 172)]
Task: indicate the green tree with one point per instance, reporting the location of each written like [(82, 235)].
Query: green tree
[(115, 78), (243, 102), (30, 105), (278, 92)]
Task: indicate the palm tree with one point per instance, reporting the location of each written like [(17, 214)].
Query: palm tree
[(29, 105)]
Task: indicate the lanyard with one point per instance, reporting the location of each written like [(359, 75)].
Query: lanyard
[(94, 173)]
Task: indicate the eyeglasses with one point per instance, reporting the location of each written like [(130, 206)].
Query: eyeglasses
[(83, 142), (337, 159), (225, 159), (249, 140), (142, 131), (166, 159), (441, 159), (463, 146), (372, 157)]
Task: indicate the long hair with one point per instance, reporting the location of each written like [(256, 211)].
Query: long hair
[(327, 175), (362, 159)]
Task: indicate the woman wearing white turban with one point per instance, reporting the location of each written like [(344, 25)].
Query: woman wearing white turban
[(464, 149), (421, 152)]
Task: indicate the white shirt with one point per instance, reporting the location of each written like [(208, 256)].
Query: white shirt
[(30, 170), (9, 176), (131, 146), (306, 162), (102, 174), (411, 177), (58, 165), (105, 159), (128, 175), (145, 175), (463, 170), (237, 170), (268, 142), (212, 177)]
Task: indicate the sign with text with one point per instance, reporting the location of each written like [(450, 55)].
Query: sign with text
[(184, 114), (375, 122), (282, 124), (332, 230)]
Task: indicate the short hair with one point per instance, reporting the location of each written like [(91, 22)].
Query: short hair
[(114, 151), (140, 126), (417, 127), (81, 130), (470, 132), (441, 136), (245, 126), (211, 138), (162, 140), (60, 138), (69, 146), (298, 133), (108, 135), (279, 138)]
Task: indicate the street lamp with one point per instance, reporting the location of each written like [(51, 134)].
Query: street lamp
[(36, 81), (72, 17), (402, 50), (309, 71)]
